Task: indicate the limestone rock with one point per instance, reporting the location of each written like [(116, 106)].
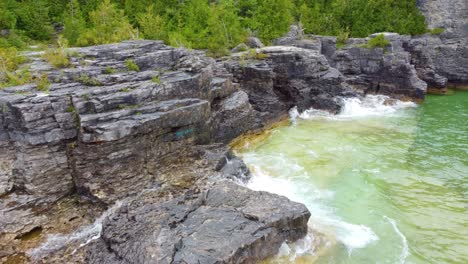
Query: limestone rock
[(254, 42), (278, 78), (451, 15), (226, 224)]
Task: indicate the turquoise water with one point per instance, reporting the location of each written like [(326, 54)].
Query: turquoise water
[(385, 183)]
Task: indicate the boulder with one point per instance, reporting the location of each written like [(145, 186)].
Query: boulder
[(225, 224), (254, 42)]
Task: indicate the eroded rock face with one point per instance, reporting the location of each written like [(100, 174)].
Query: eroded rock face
[(377, 70), (452, 15), (100, 119), (105, 133), (225, 224), (446, 53), (278, 78), (440, 61)]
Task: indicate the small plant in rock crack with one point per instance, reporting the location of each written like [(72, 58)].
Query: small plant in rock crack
[(109, 70), (156, 79), (131, 65)]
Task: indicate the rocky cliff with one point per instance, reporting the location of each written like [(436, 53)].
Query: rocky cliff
[(105, 131), (145, 126), (451, 15)]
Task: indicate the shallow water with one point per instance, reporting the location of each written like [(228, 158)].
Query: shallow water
[(384, 183)]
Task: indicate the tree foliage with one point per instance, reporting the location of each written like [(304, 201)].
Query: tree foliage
[(216, 25), (108, 25)]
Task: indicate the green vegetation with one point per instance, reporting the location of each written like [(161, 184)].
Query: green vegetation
[(216, 26), (342, 39), (88, 80), (14, 78), (131, 65), (156, 79), (42, 82), (436, 31), (109, 70), (125, 90), (76, 117), (378, 42), (254, 54), (58, 57), (10, 59)]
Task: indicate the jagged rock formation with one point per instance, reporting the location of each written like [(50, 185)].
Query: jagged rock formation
[(404, 69), (377, 70), (105, 132), (279, 78), (93, 124), (226, 224)]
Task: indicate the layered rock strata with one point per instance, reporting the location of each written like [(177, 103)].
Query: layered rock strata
[(154, 135), (105, 132)]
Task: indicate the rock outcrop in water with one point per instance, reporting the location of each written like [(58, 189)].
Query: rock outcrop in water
[(408, 64), (105, 132), (156, 138), (225, 224), (279, 78)]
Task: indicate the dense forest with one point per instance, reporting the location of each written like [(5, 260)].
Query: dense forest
[(199, 24)]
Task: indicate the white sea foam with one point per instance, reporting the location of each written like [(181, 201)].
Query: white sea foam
[(370, 105), (404, 242), (324, 220), (87, 234)]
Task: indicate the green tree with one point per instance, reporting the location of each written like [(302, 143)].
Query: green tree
[(108, 24), (272, 18), (74, 22), (33, 19), (7, 16), (135, 7), (224, 28), (151, 24)]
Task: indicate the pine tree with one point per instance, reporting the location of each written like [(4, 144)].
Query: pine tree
[(272, 18), (151, 24), (224, 28), (74, 22), (108, 25), (33, 19)]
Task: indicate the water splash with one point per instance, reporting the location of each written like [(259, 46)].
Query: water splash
[(405, 250), (353, 236), (87, 234), (370, 105)]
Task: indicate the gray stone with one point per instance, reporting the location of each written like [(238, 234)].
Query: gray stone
[(296, 32), (254, 42), (451, 15), (225, 224), (239, 48), (284, 78)]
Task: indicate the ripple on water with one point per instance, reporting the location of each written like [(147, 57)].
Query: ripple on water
[(387, 182)]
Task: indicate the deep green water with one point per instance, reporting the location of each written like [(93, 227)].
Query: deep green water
[(388, 184)]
